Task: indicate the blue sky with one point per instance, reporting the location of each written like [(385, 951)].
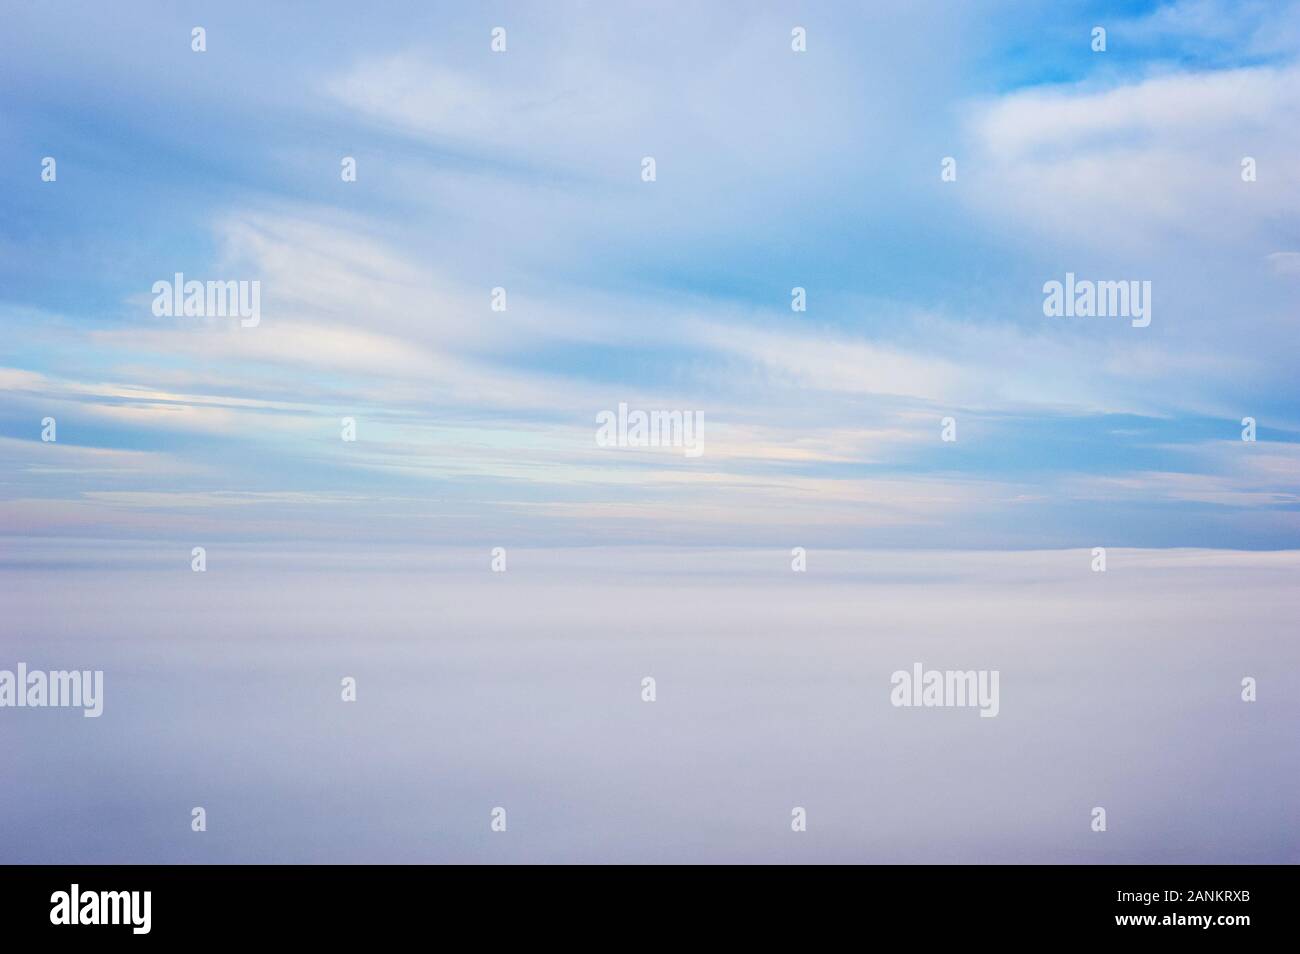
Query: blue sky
[(775, 170)]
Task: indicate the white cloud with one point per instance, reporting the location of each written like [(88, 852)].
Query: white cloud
[(1139, 163)]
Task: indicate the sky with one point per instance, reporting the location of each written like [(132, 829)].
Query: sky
[(775, 169)]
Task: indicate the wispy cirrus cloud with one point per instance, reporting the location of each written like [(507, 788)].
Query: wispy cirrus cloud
[(520, 171)]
